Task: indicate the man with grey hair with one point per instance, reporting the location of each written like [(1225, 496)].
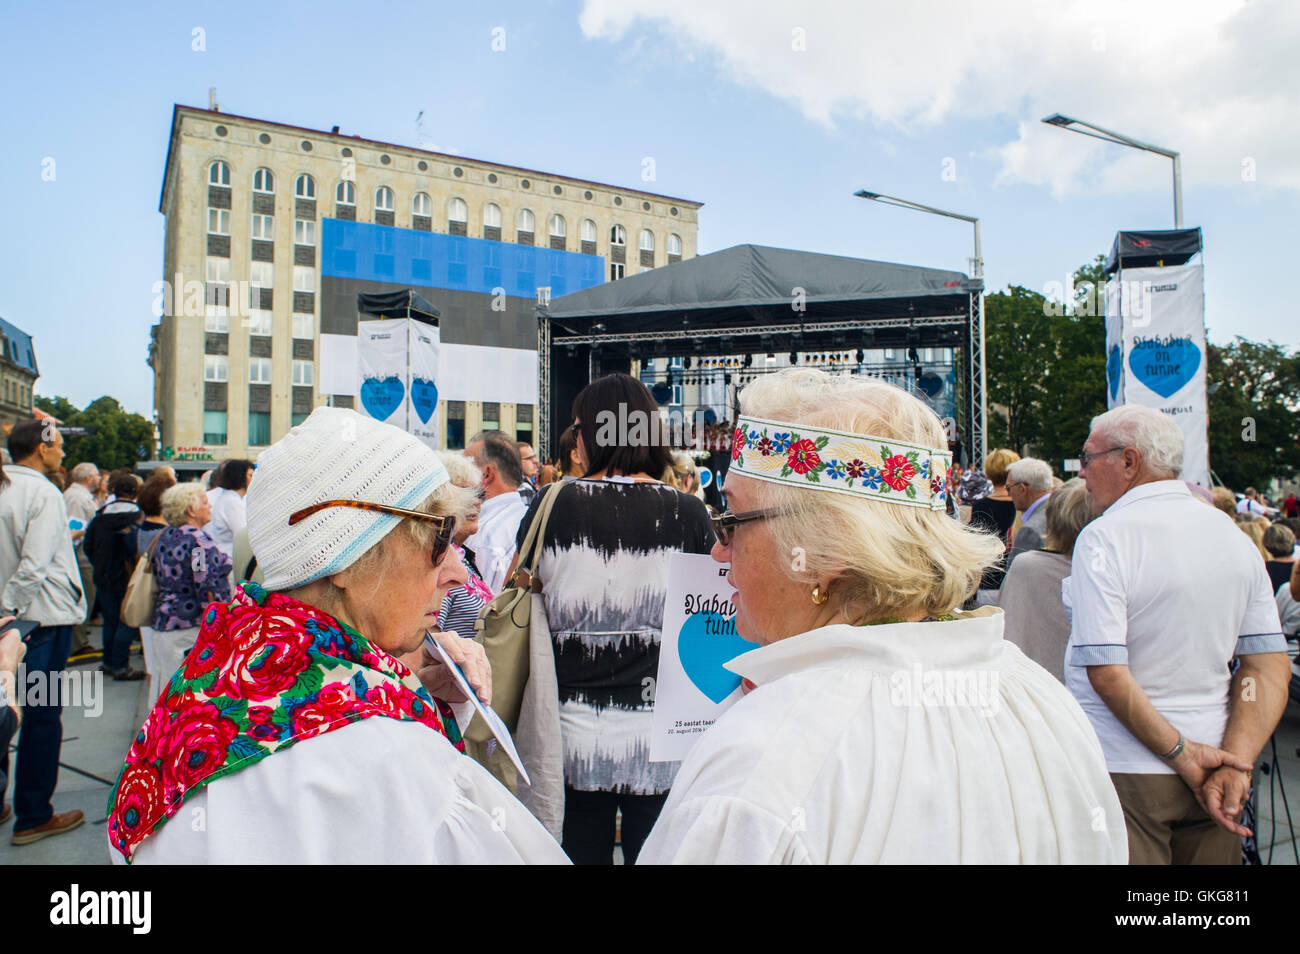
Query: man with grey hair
[(1164, 593), (497, 456), (79, 498), (1029, 482)]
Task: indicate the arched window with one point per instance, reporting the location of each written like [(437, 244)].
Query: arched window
[(346, 193), (559, 228), (588, 233), (647, 240), (674, 244), (384, 199), (305, 187), (219, 174), (421, 204), (525, 221), (492, 215), (263, 181), (618, 235), (457, 210)]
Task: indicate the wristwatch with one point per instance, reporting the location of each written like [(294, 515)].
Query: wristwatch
[(1177, 750)]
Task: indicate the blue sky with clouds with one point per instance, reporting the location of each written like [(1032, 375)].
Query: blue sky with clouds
[(770, 113)]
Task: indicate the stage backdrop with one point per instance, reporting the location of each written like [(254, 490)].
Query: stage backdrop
[(1155, 341), (397, 364)]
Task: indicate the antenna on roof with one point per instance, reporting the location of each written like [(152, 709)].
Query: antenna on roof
[(212, 99)]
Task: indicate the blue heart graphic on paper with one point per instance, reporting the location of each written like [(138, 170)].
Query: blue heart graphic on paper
[(424, 398), (1164, 365), (708, 640), (1113, 368), (382, 396)]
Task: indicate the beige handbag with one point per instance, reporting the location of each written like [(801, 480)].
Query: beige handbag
[(141, 590), (504, 629)]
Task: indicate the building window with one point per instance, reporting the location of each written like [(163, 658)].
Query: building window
[(588, 230), (296, 419), (675, 245), (218, 282), (261, 274), (457, 215), (304, 278), (259, 428), (525, 222), (259, 370), (304, 232), (216, 367), (304, 326), (218, 221), (219, 174), (492, 215), (677, 394), (263, 181), (303, 373), (616, 270), (260, 322), (216, 321), (618, 235), (305, 187), (264, 227), (559, 228), (346, 193), (421, 204), (647, 240), (384, 199), (214, 427)]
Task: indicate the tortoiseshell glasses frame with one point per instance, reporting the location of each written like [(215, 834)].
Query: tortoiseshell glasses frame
[(442, 536)]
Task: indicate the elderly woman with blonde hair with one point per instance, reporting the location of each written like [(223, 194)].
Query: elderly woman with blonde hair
[(882, 724), (293, 730)]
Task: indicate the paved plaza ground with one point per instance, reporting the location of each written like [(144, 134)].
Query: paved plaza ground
[(93, 749)]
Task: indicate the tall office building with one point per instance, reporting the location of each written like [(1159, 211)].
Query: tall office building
[(272, 230)]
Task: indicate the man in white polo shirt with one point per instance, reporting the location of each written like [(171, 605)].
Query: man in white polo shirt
[(1164, 591), (493, 546)]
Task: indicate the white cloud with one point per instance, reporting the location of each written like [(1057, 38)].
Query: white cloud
[(1219, 81)]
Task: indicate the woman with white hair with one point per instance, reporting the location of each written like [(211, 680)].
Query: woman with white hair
[(461, 606), (294, 731), (885, 725)]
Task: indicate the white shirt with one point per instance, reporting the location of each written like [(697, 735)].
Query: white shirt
[(1169, 587), (1251, 506), (380, 791), (494, 543), (38, 566), (229, 516), (80, 503), (826, 762)]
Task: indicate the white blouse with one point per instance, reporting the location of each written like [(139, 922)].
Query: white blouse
[(380, 791), (908, 743)]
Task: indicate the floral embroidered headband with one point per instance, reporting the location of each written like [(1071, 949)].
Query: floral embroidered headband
[(871, 467)]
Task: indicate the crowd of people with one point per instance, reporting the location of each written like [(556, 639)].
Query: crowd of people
[(1093, 641)]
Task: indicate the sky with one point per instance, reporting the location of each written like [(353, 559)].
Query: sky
[(770, 113)]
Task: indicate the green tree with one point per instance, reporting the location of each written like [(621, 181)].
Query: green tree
[(122, 439), (1254, 406), (1017, 356)]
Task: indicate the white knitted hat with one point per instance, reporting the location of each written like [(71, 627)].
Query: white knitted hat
[(336, 454)]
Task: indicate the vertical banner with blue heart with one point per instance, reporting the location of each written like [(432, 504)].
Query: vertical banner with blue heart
[(1155, 351), (694, 687), (397, 361)]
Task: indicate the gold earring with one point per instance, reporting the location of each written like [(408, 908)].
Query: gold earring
[(818, 596)]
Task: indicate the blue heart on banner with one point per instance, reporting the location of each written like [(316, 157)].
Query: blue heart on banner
[(382, 396), (424, 398), (708, 640), (1114, 366), (1164, 365)]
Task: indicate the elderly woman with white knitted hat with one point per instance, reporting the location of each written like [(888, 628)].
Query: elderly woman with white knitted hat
[(881, 723), (294, 733)]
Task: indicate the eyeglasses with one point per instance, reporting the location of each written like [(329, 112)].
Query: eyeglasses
[(442, 536), (1085, 457), (725, 524)]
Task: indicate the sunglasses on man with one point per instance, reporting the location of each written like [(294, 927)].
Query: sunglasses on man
[(446, 524)]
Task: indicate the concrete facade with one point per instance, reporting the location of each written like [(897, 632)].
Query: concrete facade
[(429, 192)]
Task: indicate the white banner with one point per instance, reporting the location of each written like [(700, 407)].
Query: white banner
[(397, 362), (1155, 352)]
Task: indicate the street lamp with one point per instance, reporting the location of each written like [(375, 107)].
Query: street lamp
[(1109, 135), (977, 263)]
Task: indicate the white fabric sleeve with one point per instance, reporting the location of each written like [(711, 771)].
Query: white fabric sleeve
[(722, 830), (1099, 604), (1261, 628)]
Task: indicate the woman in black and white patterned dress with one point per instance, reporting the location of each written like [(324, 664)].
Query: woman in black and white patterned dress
[(604, 569)]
